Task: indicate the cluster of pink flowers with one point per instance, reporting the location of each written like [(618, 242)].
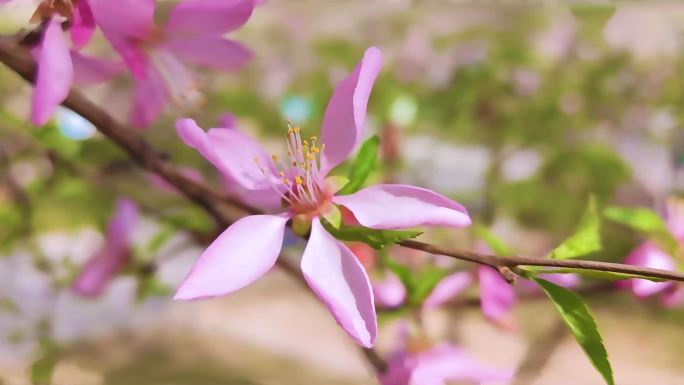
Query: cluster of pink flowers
[(157, 56)]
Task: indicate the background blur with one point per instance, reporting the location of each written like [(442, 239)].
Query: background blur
[(517, 112)]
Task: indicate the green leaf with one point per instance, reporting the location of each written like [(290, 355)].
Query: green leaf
[(580, 321), (597, 274), (424, 283), (334, 216), (585, 240), (638, 218), (41, 369), (150, 286), (362, 167), (159, 239), (376, 239), (492, 240), (402, 271), (644, 220)]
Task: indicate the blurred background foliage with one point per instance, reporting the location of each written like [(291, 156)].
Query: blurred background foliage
[(518, 112)]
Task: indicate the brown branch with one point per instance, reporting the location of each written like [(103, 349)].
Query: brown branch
[(539, 353), (510, 262)]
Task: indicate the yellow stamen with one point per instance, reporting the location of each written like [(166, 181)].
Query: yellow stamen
[(296, 130), (298, 180), (286, 181)]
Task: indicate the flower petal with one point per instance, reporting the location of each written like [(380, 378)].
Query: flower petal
[(345, 115), (211, 17), (125, 23), (231, 151), (124, 18), (210, 51), (82, 25), (339, 280), (113, 256), (99, 271), (240, 255), (150, 98), (55, 74), (447, 289), (90, 70), (390, 291), (445, 363), (396, 206), (649, 255), (123, 224), (496, 296)]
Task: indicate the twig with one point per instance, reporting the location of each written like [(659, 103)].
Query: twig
[(539, 353), (510, 262)]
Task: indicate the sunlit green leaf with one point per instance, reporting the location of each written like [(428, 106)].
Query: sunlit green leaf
[(362, 167), (644, 220), (576, 315), (585, 240), (334, 216)]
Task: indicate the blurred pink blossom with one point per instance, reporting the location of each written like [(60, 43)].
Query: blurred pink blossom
[(650, 254), (439, 365), (58, 66), (158, 56), (112, 256)]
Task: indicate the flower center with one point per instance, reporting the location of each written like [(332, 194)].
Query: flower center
[(300, 183)]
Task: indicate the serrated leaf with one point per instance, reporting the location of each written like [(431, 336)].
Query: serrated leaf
[(492, 240), (576, 315), (597, 274), (362, 167), (376, 239), (585, 240)]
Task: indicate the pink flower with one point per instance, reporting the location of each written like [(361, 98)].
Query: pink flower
[(438, 365), (58, 67), (389, 291), (112, 256), (250, 247), (649, 254), (158, 57), (447, 289), (497, 297)]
